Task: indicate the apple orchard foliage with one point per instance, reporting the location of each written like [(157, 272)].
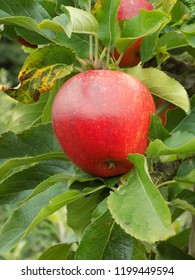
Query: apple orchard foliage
[(132, 216)]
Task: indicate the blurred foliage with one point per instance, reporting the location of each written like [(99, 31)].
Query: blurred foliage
[(11, 59), (7, 105), (50, 232), (53, 230)]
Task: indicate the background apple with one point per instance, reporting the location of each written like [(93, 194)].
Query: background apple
[(99, 117), (162, 115), (128, 9), (26, 43)]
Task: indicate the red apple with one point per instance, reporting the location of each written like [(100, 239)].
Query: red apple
[(162, 115), (26, 43), (99, 117), (128, 9)]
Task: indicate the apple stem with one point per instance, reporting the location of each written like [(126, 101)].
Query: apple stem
[(96, 51), (89, 2), (119, 59), (102, 55), (91, 48), (81, 61), (110, 163), (107, 58), (91, 58)]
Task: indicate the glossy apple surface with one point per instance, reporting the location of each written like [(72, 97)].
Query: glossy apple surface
[(128, 9), (99, 117)]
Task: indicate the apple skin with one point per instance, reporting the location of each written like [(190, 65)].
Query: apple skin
[(131, 56), (128, 9), (26, 43), (99, 117), (162, 115)]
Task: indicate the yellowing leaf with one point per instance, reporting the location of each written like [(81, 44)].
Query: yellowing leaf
[(40, 72)]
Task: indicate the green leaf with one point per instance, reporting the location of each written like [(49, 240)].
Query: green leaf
[(79, 212), (104, 240), (79, 43), (86, 4), (178, 11), (21, 21), (188, 31), (26, 115), (31, 146), (185, 200), (29, 143), (64, 22), (172, 40), (35, 37), (72, 21), (47, 112), (59, 23), (70, 174), (40, 72), (145, 23), (100, 209), (36, 209), (106, 15), (179, 143), (187, 123), (18, 186), (58, 252), (148, 47), (72, 3), (144, 213), (167, 6), (60, 201), (139, 251), (15, 227), (178, 121), (14, 165), (174, 118), (186, 171), (168, 89), (157, 130), (24, 16), (82, 21), (50, 6), (180, 240), (31, 9), (168, 251)]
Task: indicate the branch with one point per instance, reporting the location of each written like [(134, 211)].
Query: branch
[(164, 172)]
